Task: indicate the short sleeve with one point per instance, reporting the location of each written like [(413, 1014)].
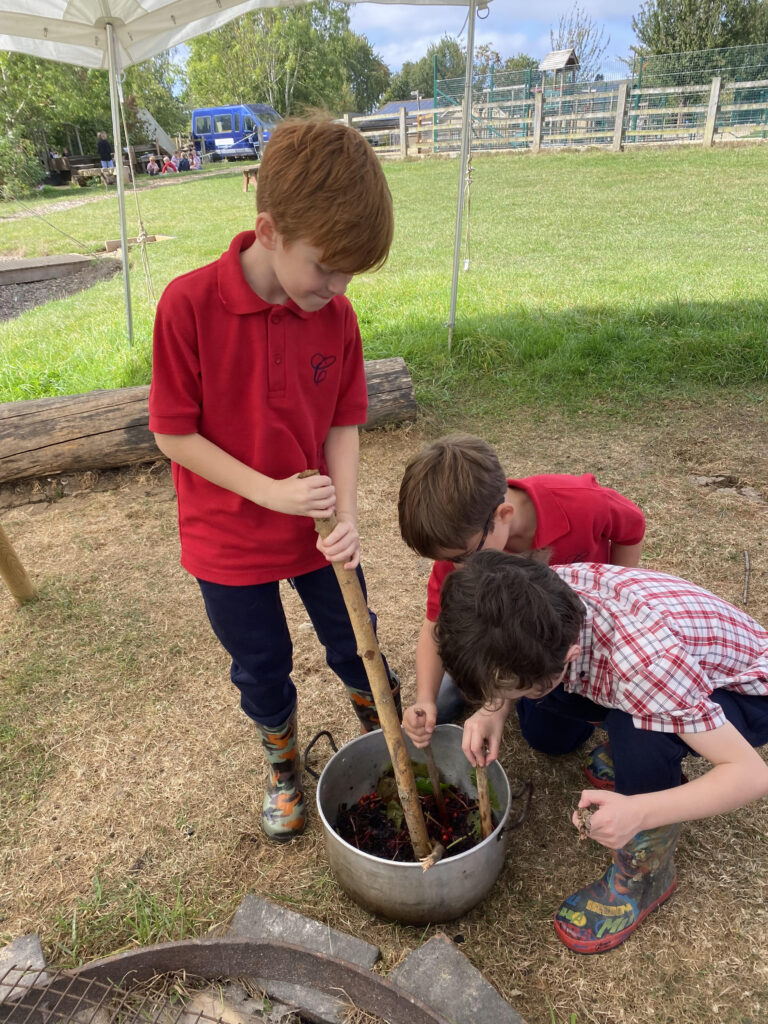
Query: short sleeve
[(666, 692), (352, 405), (175, 394), (625, 522), (440, 570)]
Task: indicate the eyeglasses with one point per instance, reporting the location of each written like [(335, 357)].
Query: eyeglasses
[(458, 559)]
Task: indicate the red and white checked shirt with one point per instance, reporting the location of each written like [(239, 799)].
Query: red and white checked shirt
[(656, 647)]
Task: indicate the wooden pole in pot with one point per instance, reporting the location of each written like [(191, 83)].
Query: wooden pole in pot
[(368, 648)]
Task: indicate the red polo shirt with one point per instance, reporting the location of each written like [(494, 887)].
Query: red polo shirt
[(265, 383), (576, 519)]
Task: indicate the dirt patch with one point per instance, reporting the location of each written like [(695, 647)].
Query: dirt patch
[(16, 299), (127, 768)]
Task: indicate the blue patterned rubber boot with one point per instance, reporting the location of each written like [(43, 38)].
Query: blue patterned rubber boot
[(283, 814), (365, 707), (599, 767), (642, 876)]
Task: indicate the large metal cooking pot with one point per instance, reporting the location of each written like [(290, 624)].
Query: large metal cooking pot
[(404, 892)]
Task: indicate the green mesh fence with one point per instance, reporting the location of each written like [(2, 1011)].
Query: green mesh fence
[(668, 101)]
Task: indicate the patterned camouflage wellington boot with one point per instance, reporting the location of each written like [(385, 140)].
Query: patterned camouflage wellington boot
[(640, 879), (365, 708), (599, 767), (283, 814)]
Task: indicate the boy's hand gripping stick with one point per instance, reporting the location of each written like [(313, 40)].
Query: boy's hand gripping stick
[(368, 649)]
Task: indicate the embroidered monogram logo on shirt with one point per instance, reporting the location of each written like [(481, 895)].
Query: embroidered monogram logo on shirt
[(320, 364)]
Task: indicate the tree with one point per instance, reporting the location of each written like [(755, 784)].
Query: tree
[(450, 60), (157, 85), (577, 31), (294, 59), (53, 104), (676, 26), (520, 62), (367, 75)]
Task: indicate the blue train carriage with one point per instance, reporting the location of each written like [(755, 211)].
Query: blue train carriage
[(236, 131)]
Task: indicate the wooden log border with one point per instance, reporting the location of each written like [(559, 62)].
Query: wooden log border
[(105, 429)]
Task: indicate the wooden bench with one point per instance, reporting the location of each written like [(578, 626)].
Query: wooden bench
[(250, 174)]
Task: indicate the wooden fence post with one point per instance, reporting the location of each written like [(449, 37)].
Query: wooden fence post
[(714, 102), (621, 109), (13, 572), (403, 135), (538, 112)]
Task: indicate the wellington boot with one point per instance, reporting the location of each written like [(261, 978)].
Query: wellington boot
[(283, 813), (598, 768), (641, 878), (365, 708)]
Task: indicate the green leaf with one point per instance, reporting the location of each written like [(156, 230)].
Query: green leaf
[(395, 813)]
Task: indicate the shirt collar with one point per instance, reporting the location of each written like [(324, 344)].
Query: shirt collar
[(551, 518), (235, 293)]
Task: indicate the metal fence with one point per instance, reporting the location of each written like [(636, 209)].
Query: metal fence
[(601, 113)]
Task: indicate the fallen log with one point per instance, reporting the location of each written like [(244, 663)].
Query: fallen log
[(104, 429)]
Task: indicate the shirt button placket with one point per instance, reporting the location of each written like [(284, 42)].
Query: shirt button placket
[(276, 332)]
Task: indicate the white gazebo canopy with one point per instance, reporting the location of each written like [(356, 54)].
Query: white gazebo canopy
[(113, 34)]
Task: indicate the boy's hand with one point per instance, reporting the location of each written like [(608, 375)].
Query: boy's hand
[(616, 821), (482, 735), (342, 544), (299, 495), (419, 722)]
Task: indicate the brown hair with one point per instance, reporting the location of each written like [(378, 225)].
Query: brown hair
[(448, 492), (322, 183), (506, 623)]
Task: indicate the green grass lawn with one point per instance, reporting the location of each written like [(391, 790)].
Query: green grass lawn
[(594, 279)]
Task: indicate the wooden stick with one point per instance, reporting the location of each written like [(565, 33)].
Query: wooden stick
[(13, 572), (370, 653), (484, 801), (434, 778)]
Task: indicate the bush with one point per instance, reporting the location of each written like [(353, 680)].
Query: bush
[(20, 169)]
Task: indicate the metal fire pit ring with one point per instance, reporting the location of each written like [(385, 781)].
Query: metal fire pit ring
[(68, 993)]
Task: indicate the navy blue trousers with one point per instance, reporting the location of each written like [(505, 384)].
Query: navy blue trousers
[(250, 625), (643, 761)]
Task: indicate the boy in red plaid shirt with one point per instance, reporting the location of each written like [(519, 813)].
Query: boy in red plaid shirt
[(666, 668)]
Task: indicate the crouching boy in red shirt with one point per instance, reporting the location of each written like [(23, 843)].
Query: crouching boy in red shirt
[(455, 499), (258, 375), (665, 667)]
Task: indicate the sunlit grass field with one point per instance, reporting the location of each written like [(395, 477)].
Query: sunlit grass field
[(593, 278)]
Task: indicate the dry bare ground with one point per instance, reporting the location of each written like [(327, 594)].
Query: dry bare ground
[(129, 757)]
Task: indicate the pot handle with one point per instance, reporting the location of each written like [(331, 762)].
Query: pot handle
[(523, 792), (312, 742)]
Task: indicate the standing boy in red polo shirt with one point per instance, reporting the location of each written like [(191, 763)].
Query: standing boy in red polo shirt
[(456, 499), (258, 375)]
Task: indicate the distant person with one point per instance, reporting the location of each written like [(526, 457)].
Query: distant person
[(152, 165), (286, 353), (183, 164), (194, 160), (105, 150), (169, 167)]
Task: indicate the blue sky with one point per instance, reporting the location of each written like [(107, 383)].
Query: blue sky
[(401, 32)]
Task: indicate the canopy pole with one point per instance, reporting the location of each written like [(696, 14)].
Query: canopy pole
[(114, 96), (466, 128)]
